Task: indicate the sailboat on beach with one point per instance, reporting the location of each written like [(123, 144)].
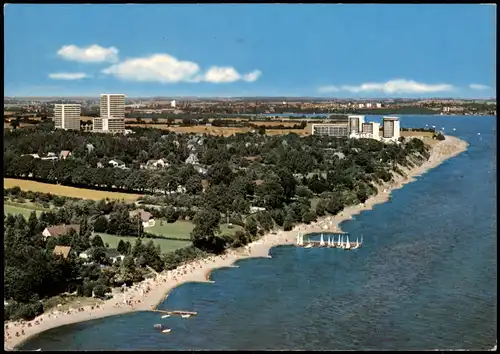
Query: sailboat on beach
[(347, 244)]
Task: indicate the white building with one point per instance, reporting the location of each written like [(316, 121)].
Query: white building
[(172, 104), (112, 117), (67, 116), (355, 124), (370, 130), (391, 128)]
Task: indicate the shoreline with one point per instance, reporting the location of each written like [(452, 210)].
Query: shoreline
[(150, 293)]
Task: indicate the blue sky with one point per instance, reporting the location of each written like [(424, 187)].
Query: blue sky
[(357, 51)]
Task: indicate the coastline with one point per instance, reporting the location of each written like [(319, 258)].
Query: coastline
[(150, 293)]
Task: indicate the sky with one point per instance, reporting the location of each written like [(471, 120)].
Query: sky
[(235, 50)]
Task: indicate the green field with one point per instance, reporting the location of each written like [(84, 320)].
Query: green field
[(165, 245), (12, 209), (178, 229), (182, 229)]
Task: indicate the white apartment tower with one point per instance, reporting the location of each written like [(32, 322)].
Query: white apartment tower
[(112, 119), (67, 116), (390, 128)]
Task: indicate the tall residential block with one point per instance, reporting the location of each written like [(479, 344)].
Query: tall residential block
[(112, 117), (67, 116), (355, 123), (390, 128)]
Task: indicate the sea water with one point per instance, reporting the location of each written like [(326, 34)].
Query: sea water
[(425, 278)]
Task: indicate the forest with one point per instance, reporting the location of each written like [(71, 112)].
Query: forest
[(292, 179)]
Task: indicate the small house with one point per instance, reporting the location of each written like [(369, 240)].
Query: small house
[(145, 216), (59, 230), (114, 255), (192, 159), (64, 154), (62, 251), (117, 164), (200, 169)]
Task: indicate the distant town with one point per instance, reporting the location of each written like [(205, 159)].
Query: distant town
[(279, 105)]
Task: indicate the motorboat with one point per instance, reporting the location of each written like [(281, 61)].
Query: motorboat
[(165, 316), (168, 330), (186, 316)]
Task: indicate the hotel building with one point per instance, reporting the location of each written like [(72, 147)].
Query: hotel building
[(112, 117), (67, 116)]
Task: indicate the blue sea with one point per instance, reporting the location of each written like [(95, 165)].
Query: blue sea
[(426, 277)]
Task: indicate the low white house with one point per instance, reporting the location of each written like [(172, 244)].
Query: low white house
[(145, 216), (117, 164), (192, 159)]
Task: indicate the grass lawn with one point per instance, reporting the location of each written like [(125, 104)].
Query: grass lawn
[(178, 229), (225, 229), (182, 229), (13, 209), (165, 245), (66, 191)]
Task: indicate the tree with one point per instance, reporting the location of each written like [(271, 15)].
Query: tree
[(321, 207), (121, 247), (251, 227), (203, 234), (97, 241), (101, 224)]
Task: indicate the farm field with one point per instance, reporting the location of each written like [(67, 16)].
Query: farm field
[(66, 191), (165, 245), (224, 131), (12, 209)]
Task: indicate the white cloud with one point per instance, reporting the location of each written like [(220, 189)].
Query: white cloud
[(252, 76), (90, 54), (326, 89), (68, 76), (165, 68), (478, 87), (390, 87), (221, 74)]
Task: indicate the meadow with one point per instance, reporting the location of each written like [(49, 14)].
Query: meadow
[(66, 191), (165, 245)]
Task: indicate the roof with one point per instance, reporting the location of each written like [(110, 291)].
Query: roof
[(204, 183), (62, 251), (259, 182), (112, 253), (390, 118), (65, 153), (145, 215), (59, 230)]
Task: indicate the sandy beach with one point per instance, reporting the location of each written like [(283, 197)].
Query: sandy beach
[(148, 294)]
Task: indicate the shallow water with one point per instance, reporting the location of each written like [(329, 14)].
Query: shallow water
[(425, 277)]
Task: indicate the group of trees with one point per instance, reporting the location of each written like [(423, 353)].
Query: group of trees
[(292, 179), (33, 272)]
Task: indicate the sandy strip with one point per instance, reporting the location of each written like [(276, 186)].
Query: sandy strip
[(148, 294)]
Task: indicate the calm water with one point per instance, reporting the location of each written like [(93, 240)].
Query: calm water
[(425, 278)]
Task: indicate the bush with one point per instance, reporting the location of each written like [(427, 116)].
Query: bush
[(100, 291), (101, 224)]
